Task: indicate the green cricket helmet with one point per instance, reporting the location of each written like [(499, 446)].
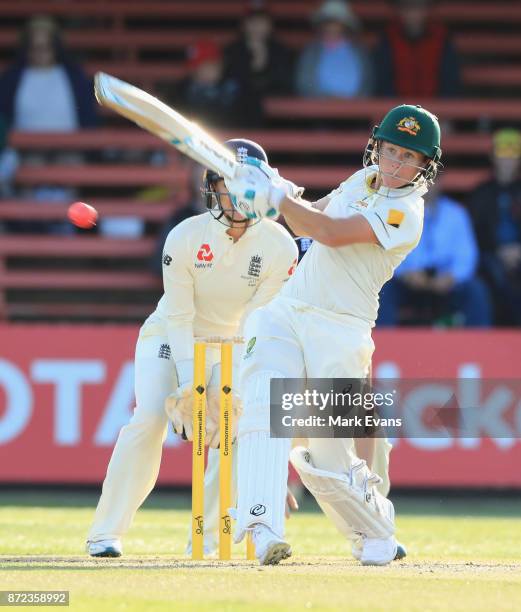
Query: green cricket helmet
[(412, 127)]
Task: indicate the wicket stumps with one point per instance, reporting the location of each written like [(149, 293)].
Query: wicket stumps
[(225, 449)]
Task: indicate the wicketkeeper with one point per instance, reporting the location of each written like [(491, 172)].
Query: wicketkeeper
[(218, 267)]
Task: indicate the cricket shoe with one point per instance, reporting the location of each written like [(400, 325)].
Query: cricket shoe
[(269, 548), (105, 548), (401, 552), (357, 547), (378, 551)]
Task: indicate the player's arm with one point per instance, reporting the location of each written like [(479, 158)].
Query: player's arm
[(179, 293), (258, 194), (333, 232), (322, 203), (317, 205)]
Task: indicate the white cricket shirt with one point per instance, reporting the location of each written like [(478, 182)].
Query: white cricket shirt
[(348, 279), (212, 283)]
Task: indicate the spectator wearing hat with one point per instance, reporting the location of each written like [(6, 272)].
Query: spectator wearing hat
[(335, 63), (438, 282), (259, 62), (495, 206), (206, 94), (416, 56)]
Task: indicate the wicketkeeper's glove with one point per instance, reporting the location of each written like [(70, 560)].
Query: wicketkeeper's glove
[(179, 404)]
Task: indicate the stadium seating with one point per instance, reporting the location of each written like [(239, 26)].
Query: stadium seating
[(27, 284), (36, 280), (453, 11), (149, 74), (275, 141), (132, 42), (313, 142), (128, 30), (373, 109)]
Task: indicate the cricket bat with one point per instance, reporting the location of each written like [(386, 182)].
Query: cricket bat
[(156, 117)]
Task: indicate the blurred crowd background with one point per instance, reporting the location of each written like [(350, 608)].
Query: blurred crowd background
[(307, 80)]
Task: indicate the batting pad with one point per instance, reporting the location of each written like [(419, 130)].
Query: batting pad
[(263, 482), (255, 393), (352, 497)]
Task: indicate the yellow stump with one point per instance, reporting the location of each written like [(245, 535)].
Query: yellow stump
[(225, 453), (199, 425), (250, 547), (225, 446)]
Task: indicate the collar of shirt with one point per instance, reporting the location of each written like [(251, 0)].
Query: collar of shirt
[(220, 230)]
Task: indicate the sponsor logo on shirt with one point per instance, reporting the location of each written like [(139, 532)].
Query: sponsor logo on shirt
[(395, 217), (204, 256), (167, 260), (249, 347), (205, 253)]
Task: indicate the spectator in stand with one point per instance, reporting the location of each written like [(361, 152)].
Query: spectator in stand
[(416, 57), (496, 210), (44, 90), (438, 279), (335, 63), (8, 162), (259, 62), (206, 95)]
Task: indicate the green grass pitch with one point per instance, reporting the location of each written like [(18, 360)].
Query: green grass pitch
[(464, 555)]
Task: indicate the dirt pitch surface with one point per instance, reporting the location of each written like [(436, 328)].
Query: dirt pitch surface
[(307, 565)]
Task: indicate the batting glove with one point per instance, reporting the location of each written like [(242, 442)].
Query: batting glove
[(257, 190), (292, 190)]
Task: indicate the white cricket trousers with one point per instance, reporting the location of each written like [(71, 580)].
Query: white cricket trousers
[(289, 339), (135, 461)]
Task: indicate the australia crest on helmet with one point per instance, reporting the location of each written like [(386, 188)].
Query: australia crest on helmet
[(409, 125)]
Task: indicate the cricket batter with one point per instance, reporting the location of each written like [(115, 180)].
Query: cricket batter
[(217, 268), (320, 324)]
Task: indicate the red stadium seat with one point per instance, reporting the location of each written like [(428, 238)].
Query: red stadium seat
[(295, 10), (373, 109), (122, 38), (132, 42), (20, 210), (277, 140), (68, 249)]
